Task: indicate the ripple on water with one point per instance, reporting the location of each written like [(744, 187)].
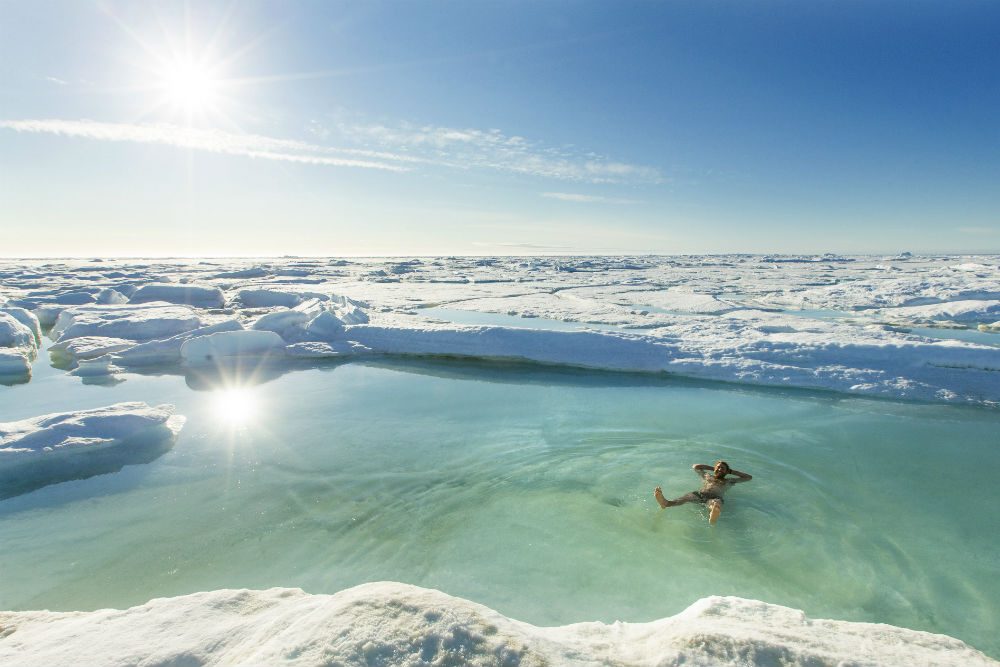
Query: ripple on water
[(530, 492)]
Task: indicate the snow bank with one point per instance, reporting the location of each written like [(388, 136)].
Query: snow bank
[(168, 350), (28, 319), (110, 296), (18, 348), (700, 316), (231, 344), (87, 347), (395, 624), (15, 334), (286, 323), (268, 298), (812, 355), (312, 320), (679, 300), (128, 321), (75, 445), (970, 310), (189, 295)]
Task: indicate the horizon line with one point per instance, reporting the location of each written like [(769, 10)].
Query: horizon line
[(97, 258)]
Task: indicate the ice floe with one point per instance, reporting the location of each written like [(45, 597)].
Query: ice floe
[(190, 295), (28, 319), (57, 447), (18, 347), (395, 624), (817, 321), (167, 351), (966, 310), (129, 321), (224, 345)]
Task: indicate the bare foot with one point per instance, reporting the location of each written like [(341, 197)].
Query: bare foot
[(714, 510), (658, 494)]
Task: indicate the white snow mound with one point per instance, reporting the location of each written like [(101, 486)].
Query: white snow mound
[(62, 432), (231, 344), (188, 295), (128, 321), (58, 447), (396, 624)]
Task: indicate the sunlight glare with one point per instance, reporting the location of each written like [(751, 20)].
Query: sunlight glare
[(189, 85), (234, 406)]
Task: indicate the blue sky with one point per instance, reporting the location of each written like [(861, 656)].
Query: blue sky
[(498, 127)]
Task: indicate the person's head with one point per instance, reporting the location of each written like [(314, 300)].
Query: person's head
[(721, 469)]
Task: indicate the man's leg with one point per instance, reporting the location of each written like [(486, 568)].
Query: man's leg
[(686, 498)]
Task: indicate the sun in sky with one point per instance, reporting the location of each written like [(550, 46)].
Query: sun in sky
[(181, 74), (189, 85)]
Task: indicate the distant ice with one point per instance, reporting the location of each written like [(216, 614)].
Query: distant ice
[(394, 624), (955, 311), (190, 295), (129, 321), (818, 321), (57, 447), (266, 298)]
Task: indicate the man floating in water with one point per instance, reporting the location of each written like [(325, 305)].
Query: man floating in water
[(712, 488)]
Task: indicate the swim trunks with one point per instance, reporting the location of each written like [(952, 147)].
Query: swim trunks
[(705, 496)]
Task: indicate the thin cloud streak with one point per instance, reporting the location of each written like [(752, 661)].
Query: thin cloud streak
[(212, 141), (586, 199), (465, 148), (400, 148)]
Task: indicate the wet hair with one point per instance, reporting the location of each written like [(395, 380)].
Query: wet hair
[(723, 463)]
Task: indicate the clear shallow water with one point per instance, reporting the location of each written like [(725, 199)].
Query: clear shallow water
[(525, 489)]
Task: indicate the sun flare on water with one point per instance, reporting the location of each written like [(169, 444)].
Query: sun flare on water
[(235, 405)]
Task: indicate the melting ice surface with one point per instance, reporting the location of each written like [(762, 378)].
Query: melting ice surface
[(525, 489)]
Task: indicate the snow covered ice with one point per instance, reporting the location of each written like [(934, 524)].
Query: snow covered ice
[(822, 322), (396, 624), (76, 445), (18, 343)]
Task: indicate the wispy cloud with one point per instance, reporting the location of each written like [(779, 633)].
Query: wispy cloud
[(213, 141), (400, 148), (467, 148), (57, 81), (586, 199)]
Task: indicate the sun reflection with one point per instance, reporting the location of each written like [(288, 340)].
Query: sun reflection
[(235, 406)]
